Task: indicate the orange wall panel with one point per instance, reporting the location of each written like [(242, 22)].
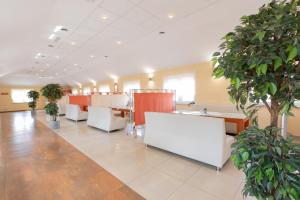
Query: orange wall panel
[(151, 102), (81, 100)]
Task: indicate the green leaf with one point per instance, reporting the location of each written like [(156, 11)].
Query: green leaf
[(261, 35), (252, 66), (237, 83), (216, 54), (278, 150), (277, 63), (270, 174), (219, 72), (245, 156), (285, 108), (292, 54), (293, 193), (214, 61), (264, 68), (273, 88)]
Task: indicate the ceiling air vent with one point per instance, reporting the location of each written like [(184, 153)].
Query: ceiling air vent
[(64, 29)]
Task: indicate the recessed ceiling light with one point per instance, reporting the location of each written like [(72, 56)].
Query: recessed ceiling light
[(73, 43), (119, 42), (92, 56), (57, 57), (104, 17), (171, 16), (56, 74), (38, 55), (52, 36), (75, 64), (57, 28)]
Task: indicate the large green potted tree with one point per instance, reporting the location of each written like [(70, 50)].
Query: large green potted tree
[(33, 96), (52, 92), (261, 58)]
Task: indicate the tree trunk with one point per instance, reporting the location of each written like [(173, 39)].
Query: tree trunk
[(275, 110)]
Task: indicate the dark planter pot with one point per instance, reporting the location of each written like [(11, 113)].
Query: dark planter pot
[(54, 124), (33, 113)]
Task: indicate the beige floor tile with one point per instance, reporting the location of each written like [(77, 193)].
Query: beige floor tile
[(127, 172), (155, 185), (179, 167), (188, 192), (217, 183), (230, 170)]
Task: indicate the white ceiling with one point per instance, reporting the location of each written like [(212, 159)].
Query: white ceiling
[(190, 36)]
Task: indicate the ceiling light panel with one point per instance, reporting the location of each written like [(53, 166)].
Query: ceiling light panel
[(174, 9), (118, 7), (151, 25), (137, 15), (101, 17), (82, 34)]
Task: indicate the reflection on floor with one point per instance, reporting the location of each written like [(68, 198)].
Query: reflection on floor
[(152, 173), (37, 164)]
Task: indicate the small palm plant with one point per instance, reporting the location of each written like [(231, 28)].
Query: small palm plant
[(34, 96), (53, 92)]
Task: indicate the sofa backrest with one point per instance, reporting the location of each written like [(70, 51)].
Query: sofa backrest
[(196, 137), (114, 101), (72, 110), (100, 115)]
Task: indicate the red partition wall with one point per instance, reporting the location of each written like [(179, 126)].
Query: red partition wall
[(151, 102), (82, 101)]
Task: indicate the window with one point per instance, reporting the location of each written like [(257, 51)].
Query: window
[(104, 89), (74, 91), (86, 91), (20, 95), (184, 85), (129, 85)]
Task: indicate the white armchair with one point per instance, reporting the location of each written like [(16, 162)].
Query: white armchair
[(104, 119), (74, 112)]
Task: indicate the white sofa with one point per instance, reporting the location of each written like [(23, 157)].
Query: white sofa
[(195, 137), (104, 119), (61, 109), (74, 112), (114, 101)]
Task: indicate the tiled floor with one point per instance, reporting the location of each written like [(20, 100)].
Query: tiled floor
[(152, 173), (37, 164)]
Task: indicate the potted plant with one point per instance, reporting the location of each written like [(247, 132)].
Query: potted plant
[(34, 96), (53, 92), (261, 58)]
